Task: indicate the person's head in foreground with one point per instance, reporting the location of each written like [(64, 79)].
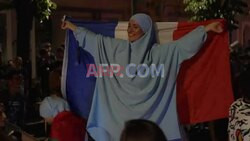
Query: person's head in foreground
[(51, 106), (65, 125), (142, 130)]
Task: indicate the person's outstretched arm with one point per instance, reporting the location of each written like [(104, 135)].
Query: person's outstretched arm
[(68, 25), (79, 32), (214, 27), (191, 43), (94, 42)]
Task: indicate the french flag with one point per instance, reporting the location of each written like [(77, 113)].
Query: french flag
[(204, 90)]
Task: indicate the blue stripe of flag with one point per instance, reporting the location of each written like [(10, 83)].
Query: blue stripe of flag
[(79, 89)]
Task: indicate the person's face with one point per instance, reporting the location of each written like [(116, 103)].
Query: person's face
[(134, 31)]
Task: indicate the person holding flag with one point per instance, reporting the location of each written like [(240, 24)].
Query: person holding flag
[(118, 99)]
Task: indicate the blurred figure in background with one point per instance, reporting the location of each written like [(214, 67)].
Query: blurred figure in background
[(18, 61), (59, 54), (44, 66), (2, 116), (12, 99), (59, 59), (3, 136), (48, 47), (11, 64), (1, 61)]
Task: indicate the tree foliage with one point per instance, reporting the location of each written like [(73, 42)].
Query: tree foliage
[(214, 9), (26, 10), (42, 8)]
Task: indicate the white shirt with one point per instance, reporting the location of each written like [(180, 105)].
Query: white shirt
[(239, 121)]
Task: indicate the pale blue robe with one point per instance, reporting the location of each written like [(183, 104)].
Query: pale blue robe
[(117, 100)]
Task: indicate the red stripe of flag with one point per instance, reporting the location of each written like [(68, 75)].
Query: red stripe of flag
[(204, 90)]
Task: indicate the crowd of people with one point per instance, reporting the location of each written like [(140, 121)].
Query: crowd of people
[(19, 95)]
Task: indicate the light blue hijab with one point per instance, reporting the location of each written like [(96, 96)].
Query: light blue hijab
[(143, 20), (142, 46), (119, 99)]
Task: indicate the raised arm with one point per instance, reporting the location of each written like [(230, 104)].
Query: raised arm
[(93, 42), (191, 43), (68, 25), (79, 32), (214, 27)]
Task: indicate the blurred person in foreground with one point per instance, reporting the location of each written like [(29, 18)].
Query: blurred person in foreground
[(142, 130), (65, 126), (239, 112)]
